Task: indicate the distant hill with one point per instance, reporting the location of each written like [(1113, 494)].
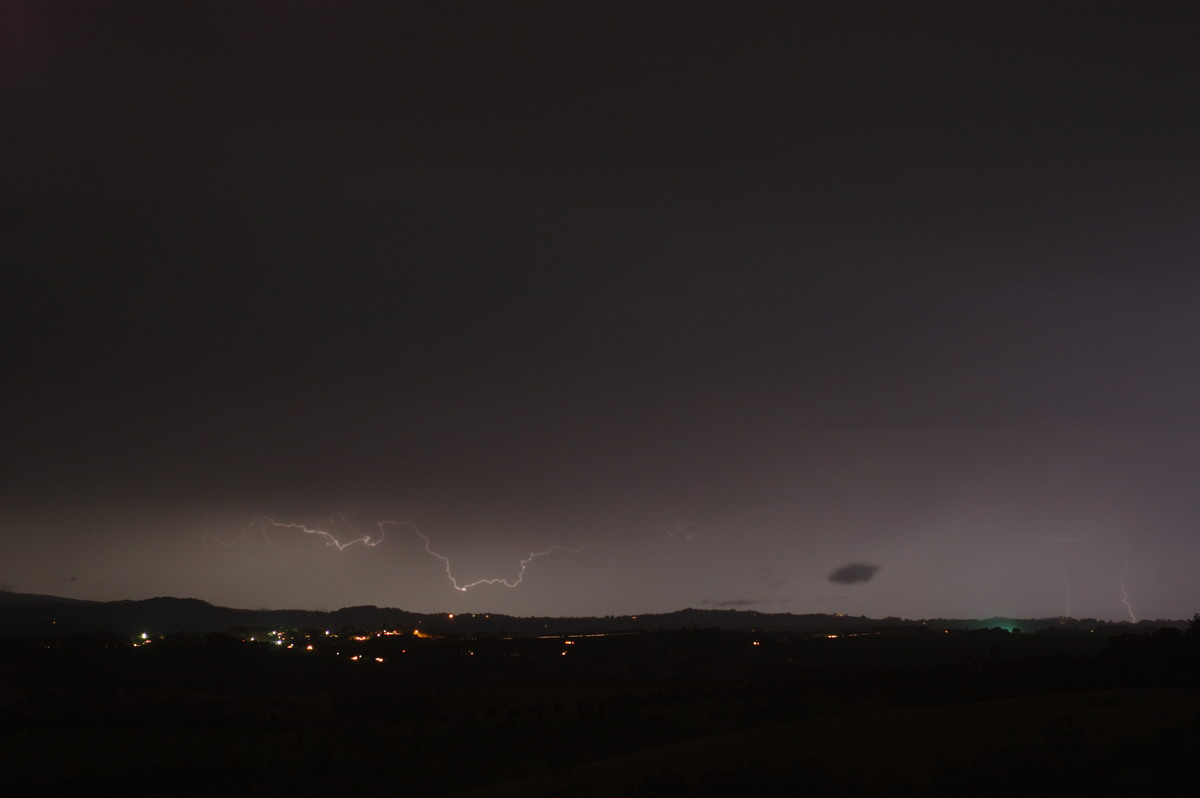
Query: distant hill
[(32, 614)]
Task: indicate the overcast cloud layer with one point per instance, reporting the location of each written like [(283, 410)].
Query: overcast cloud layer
[(875, 308)]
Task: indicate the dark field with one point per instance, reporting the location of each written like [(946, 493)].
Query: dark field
[(702, 712)]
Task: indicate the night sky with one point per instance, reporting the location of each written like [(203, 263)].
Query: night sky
[(883, 308)]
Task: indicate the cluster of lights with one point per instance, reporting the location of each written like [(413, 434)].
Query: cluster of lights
[(282, 639), (293, 641), (300, 641)]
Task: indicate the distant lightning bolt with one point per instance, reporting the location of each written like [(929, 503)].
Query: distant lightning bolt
[(330, 539), (265, 525), (687, 531), (1062, 568), (1056, 538), (1067, 583), (463, 588), (1125, 592)]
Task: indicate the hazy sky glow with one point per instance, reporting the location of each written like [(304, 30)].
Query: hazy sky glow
[(875, 308)]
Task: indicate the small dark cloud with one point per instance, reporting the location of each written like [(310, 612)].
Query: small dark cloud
[(854, 573)]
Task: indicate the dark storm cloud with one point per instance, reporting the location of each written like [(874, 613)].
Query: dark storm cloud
[(854, 573)]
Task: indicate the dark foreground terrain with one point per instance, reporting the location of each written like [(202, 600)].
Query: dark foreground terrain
[(896, 711)]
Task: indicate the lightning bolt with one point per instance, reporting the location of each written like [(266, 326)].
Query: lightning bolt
[(265, 525), (499, 580), (687, 531), (1125, 592), (329, 539), (1067, 584), (1062, 568), (1056, 538)]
